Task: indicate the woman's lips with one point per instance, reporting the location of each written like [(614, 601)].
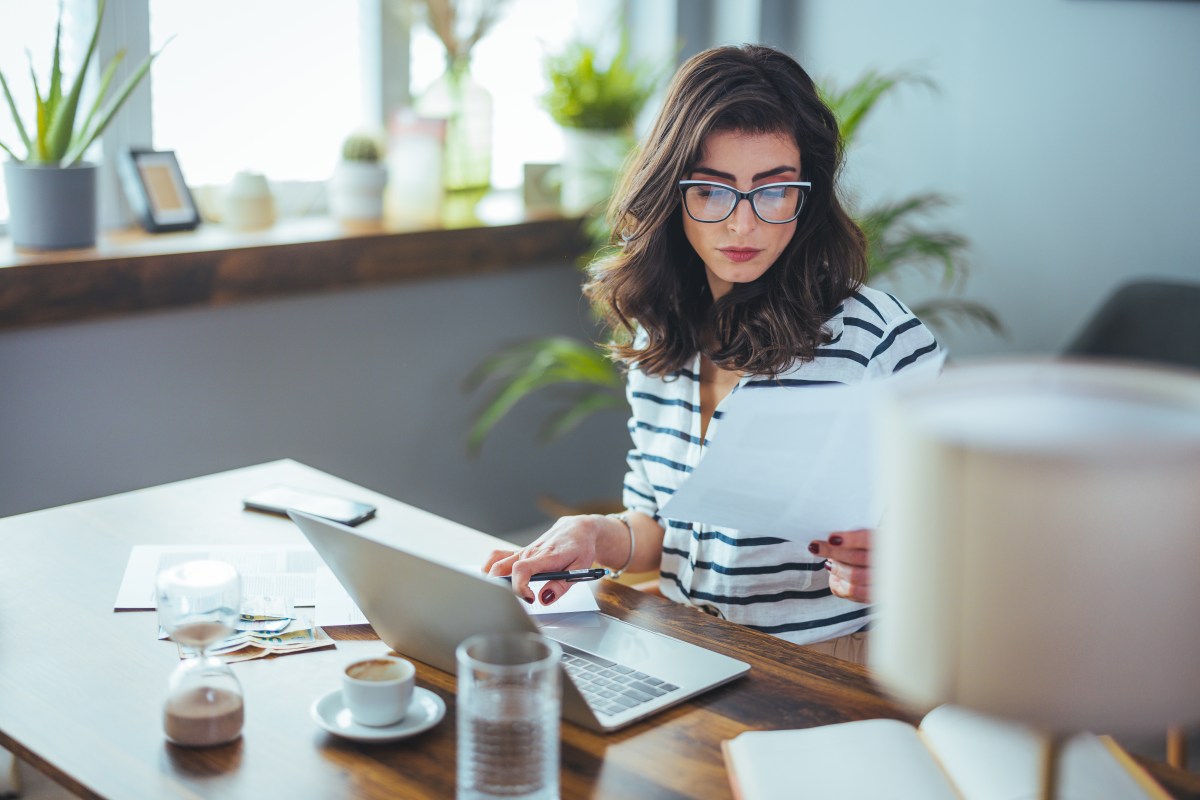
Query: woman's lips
[(739, 254)]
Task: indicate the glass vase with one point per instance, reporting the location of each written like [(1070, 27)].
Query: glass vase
[(467, 108)]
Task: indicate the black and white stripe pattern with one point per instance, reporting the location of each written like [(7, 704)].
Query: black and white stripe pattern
[(766, 583)]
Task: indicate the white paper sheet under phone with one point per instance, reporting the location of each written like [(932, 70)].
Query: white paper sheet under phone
[(424, 609), (795, 463)]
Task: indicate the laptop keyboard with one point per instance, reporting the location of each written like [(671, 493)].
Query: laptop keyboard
[(611, 688)]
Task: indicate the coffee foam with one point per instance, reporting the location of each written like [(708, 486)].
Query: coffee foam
[(376, 669)]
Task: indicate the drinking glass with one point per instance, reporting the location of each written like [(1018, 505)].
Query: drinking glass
[(198, 605), (508, 717)]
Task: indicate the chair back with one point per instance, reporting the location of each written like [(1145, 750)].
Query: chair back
[(1145, 320)]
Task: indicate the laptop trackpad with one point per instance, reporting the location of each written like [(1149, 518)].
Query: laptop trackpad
[(652, 653)]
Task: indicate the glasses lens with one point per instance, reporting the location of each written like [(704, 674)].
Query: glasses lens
[(708, 203), (778, 203)]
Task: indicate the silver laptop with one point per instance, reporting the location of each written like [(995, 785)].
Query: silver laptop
[(617, 673)]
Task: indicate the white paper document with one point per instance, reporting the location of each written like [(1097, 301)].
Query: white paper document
[(795, 463), (336, 607), (276, 570)]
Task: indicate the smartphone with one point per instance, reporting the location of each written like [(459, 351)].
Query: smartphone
[(278, 499)]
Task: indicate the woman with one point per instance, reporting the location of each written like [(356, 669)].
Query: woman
[(739, 269)]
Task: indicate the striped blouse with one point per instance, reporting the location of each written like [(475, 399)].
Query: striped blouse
[(766, 583)]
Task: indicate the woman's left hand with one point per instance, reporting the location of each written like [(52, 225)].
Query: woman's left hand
[(847, 557)]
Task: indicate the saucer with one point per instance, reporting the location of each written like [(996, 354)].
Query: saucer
[(425, 711)]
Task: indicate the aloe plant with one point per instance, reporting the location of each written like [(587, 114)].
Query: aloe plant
[(56, 139), (898, 239)]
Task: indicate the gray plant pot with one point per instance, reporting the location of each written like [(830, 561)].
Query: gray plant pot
[(51, 208)]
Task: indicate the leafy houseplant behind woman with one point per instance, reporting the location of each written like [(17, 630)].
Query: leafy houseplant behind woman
[(51, 193), (596, 107)]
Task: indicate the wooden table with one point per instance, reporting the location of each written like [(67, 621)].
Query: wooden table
[(82, 687)]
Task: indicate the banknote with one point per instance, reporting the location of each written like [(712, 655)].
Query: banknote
[(301, 634)]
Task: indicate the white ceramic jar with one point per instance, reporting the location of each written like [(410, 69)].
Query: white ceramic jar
[(247, 204)]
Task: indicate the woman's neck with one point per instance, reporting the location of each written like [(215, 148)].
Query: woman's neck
[(715, 385)]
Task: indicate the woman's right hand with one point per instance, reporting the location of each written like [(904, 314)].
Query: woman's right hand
[(570, 544)]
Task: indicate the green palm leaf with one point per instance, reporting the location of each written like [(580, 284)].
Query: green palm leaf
[(572, 414), (897, 239), (524, 368), (852, 105), (945, 311)]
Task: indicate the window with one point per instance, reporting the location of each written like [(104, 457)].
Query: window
[(272, 86)]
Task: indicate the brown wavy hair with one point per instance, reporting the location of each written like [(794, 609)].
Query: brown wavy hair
[(653, 278)]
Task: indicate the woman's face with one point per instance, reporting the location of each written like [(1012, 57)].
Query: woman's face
[(741, 248)]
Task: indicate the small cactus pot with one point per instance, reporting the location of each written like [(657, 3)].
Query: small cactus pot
[(356, 191)]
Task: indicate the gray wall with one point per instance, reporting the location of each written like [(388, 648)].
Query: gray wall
[(363, 384), (1066, 130)]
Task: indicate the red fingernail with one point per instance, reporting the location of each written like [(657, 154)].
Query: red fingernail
[(835, 540), (829, 566), (547, 597), (814, 548), (527, 599)]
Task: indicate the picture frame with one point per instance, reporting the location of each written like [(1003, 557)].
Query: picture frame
[(157, 192)]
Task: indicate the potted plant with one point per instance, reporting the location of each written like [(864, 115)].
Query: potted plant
[(596, 107), (356, 188), (51, 192), (898, 238)]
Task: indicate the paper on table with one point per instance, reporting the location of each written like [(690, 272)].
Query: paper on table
[(578, 598), (794, 463), (276, 570), (336, 607)]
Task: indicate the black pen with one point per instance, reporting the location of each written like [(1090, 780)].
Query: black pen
[(570, 576)]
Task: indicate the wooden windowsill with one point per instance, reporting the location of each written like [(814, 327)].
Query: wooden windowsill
[(130, 271)]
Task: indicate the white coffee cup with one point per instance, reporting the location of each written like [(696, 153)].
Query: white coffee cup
[(378, 690)]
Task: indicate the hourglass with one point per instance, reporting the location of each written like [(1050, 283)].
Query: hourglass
[(198, 605)]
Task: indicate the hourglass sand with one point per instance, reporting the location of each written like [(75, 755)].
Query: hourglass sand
[(198, 605)]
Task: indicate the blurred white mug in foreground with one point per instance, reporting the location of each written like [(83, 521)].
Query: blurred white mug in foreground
[(1037, 559)]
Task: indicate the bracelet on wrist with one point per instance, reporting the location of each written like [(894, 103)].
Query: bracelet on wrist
[(624, 518)]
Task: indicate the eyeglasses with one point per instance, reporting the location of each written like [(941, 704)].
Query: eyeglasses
[(776, 203)]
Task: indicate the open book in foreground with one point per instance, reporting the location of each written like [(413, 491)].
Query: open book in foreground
[(955, 755)]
